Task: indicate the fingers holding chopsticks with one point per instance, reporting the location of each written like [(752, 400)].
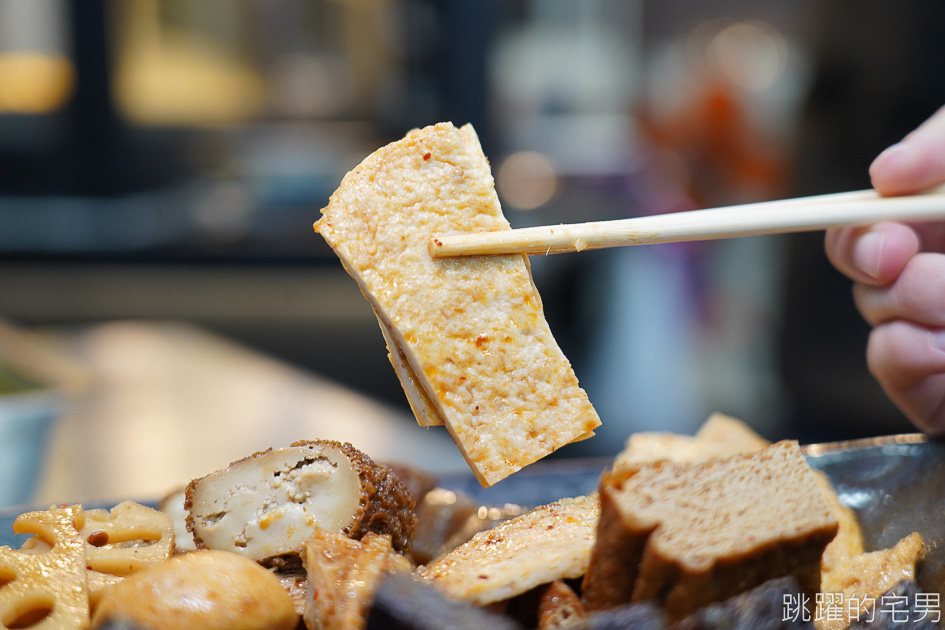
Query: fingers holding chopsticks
[(876, 255), (917, 295), (900, 291), (898, 271), (908, 361), (914, 164), (873, 255)]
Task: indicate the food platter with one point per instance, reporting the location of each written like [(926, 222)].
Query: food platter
[(538, 484), (896, 485)]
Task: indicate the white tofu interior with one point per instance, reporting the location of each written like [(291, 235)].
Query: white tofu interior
[(269, 504)]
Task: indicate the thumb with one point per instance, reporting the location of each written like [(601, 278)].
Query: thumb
[(914, 164)]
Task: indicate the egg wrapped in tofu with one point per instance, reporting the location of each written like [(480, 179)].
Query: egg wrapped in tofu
[(268, 504), (206, 589)]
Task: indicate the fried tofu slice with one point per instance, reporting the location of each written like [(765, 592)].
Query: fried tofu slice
[(343, 575), (423, 408), (547, 543), (470, 331), (686, 535), (719, 436), (859, 582)]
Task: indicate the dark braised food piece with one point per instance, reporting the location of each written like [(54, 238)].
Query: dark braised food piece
[(418, 481), (902, 607), (271, 502), (765, 607), (559, 606), (441, 514), (762, 608), (405, 603), (115, 624), (287, 563), (448, 518), (642, 616)]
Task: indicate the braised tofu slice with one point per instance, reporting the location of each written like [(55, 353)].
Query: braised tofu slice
[(855, 586), (343, 575), (686, 535), (467, 336), (548, 543)]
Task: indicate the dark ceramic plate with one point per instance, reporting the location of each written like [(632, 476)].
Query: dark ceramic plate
[(895, 484)]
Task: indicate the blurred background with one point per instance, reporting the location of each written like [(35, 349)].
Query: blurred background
[(163, 161)]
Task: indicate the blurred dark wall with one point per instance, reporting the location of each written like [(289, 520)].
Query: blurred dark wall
[(101, 218)]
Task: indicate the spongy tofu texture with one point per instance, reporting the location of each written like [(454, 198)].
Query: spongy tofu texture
[(705, 532), (472, 328), (727, 507)]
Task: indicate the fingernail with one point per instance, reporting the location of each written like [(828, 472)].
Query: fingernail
[(868, 252)]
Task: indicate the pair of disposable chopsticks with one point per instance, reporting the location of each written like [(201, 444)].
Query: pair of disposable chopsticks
[(862, 207)]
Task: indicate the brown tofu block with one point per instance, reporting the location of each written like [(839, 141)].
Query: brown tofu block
[(686, 535)]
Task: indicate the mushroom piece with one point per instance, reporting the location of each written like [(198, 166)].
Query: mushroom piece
[(268, 504)]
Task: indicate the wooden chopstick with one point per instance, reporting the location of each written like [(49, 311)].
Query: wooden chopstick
[(861, 207)]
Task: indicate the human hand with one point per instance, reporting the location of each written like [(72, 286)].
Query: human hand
[(898, 271)]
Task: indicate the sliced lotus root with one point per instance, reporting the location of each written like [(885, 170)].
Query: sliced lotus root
[(97, 582), (129, 538), (270, 503), (45, 589)]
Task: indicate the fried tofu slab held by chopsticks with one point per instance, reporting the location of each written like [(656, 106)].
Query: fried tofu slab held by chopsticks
[(467, 336)]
